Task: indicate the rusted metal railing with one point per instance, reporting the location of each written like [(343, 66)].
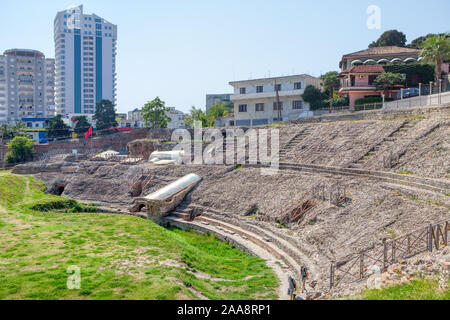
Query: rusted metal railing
[(355, 268)]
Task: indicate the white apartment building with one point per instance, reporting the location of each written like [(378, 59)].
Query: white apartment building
[(177, 118), (27, 84), (85, 47), (255, 100)]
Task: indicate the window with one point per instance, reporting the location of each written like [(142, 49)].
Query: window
[(259, 89), (280, 106), (242, 108), (297, 86), (259, 107), (242, 90), (297, 104), (277, 87)]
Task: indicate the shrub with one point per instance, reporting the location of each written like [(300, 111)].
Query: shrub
[(314, 97), (21, 150), (424, 72), (71, 205), (339, 102), (372, 100), (54, 205), (10, 158)]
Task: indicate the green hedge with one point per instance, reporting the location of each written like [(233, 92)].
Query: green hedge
[(424, 71), (72, 206), (372, 100)]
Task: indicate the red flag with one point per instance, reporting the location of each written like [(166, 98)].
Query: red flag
[(87, 134)]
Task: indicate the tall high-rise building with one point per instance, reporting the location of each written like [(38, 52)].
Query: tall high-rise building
[(27, 81), (86, 47)]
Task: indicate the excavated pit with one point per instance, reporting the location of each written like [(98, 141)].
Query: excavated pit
[(325, 216)]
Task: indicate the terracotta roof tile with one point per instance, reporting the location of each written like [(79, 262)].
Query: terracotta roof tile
[(384, 51), (365, 69)]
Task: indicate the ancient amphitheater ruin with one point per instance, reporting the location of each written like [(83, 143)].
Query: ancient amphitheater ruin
[(351, 192)]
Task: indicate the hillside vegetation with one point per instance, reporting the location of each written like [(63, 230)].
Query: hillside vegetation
[(418, 289), (119, 256)]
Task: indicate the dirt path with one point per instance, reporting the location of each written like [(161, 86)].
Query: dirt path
[(2, 210)]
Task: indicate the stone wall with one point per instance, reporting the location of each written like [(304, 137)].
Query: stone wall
[(141, 148), (378, 114), (116, 141)]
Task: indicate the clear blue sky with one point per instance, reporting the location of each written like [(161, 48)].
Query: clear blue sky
[(181, 50)]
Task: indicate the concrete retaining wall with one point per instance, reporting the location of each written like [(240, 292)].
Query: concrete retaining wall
[(381, 114), (435, 99)]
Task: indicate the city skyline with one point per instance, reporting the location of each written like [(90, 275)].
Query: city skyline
[(180, 52)]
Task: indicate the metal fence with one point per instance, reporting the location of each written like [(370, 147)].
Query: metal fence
[(337, 193), (368, 106), (123, 159), (390, 160), (425, 95), (356, 268), (322, 111)]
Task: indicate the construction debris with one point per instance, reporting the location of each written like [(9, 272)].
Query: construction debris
[(106, 155)]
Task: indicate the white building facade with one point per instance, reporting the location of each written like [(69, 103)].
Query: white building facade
[(86, 49), (27, 84), (177, 118), (255, 101)]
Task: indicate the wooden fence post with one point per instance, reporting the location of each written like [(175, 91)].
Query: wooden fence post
[(384, 254), (393, 251), (438, 230), (446, 234), (430, 238), (361, 265), (408, 251), (332, 274)]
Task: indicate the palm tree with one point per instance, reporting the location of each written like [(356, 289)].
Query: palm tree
[(436, 50)]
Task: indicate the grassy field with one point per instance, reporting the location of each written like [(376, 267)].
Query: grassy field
[(119, 256), (418, 289)]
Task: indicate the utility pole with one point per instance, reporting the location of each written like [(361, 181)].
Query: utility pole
[(278, 102)]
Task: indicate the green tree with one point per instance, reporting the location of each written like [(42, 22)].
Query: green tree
[(21, 150), (331, 82), (424, 72), (389, 80), (196, 115), (390, 38), (337, 101), (315, 97), (154, 114), (436, 50), (215, 111), (418, 43), (105, 115), (57, 129), (82, 125), (7, 133)]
